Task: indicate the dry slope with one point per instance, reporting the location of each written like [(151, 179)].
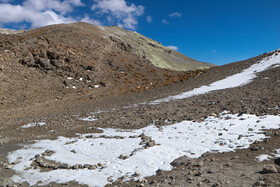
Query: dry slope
[(81, 61)]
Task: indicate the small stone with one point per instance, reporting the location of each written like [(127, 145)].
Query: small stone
[(64, 166), (159, 172), (92, 167), (209, 171), (200, 163), (259, 183), (228, 164), (255, 148), (8, 166), (269, 169), (235, 157), (76, 166), (86, 166), (199, 173), (150, 144)]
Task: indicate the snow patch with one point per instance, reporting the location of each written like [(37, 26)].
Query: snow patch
[(266, 157), (225, 133), (33, 125), (263, 157), (236, 80), (89, 118)]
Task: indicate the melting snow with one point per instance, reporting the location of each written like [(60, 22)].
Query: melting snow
[(236, 80), (267, 157), (226, 133), (33, 125), (89, 118), (263, 157)]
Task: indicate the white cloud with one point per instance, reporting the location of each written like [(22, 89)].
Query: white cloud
[(75, 2), (149, 19), (17, 13), (214, 51), (175, 14), (87, 19), (119, 11), (175, 48), (6, 1), (56, 5), (39, 12), (164, 21)]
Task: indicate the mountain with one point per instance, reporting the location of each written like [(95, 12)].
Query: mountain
[(85, 62), (81, 109)]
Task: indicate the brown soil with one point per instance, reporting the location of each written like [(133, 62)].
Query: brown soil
[(30, 94)]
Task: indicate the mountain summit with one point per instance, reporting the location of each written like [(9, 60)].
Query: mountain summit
[(110, 38)]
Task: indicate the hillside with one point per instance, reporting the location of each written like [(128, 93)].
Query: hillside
[(84, 112), (84, 62)]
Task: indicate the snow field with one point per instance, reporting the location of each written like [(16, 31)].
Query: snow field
[(236, 80), (192, 139)]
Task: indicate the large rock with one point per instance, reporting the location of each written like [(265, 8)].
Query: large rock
[(45, 63), (58, 63), (269, 169), (29, 61)]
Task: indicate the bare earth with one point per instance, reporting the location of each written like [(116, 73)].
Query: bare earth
[(34, 94)]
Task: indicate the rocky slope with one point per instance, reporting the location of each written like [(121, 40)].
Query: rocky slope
[(68, 124), (81, 61), (238, 168)]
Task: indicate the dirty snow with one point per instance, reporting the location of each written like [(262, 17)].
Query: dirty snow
[(33, 125), (236, 80), (89, 118), (266, 157), (225, 133), (92, 116), (263, 157)]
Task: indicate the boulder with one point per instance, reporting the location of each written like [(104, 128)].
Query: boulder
[(45, 63), (269, 169)]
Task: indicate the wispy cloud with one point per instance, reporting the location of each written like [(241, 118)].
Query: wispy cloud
[(164, 21), (87, 19), (149, 19), (175, 14), (40, 13), (175, 48), (119, 11), (214, 51)]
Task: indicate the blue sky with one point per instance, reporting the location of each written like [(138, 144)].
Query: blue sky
[(216, 31)]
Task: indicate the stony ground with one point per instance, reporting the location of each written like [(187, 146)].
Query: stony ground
[(32, 90), (262, 96)]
